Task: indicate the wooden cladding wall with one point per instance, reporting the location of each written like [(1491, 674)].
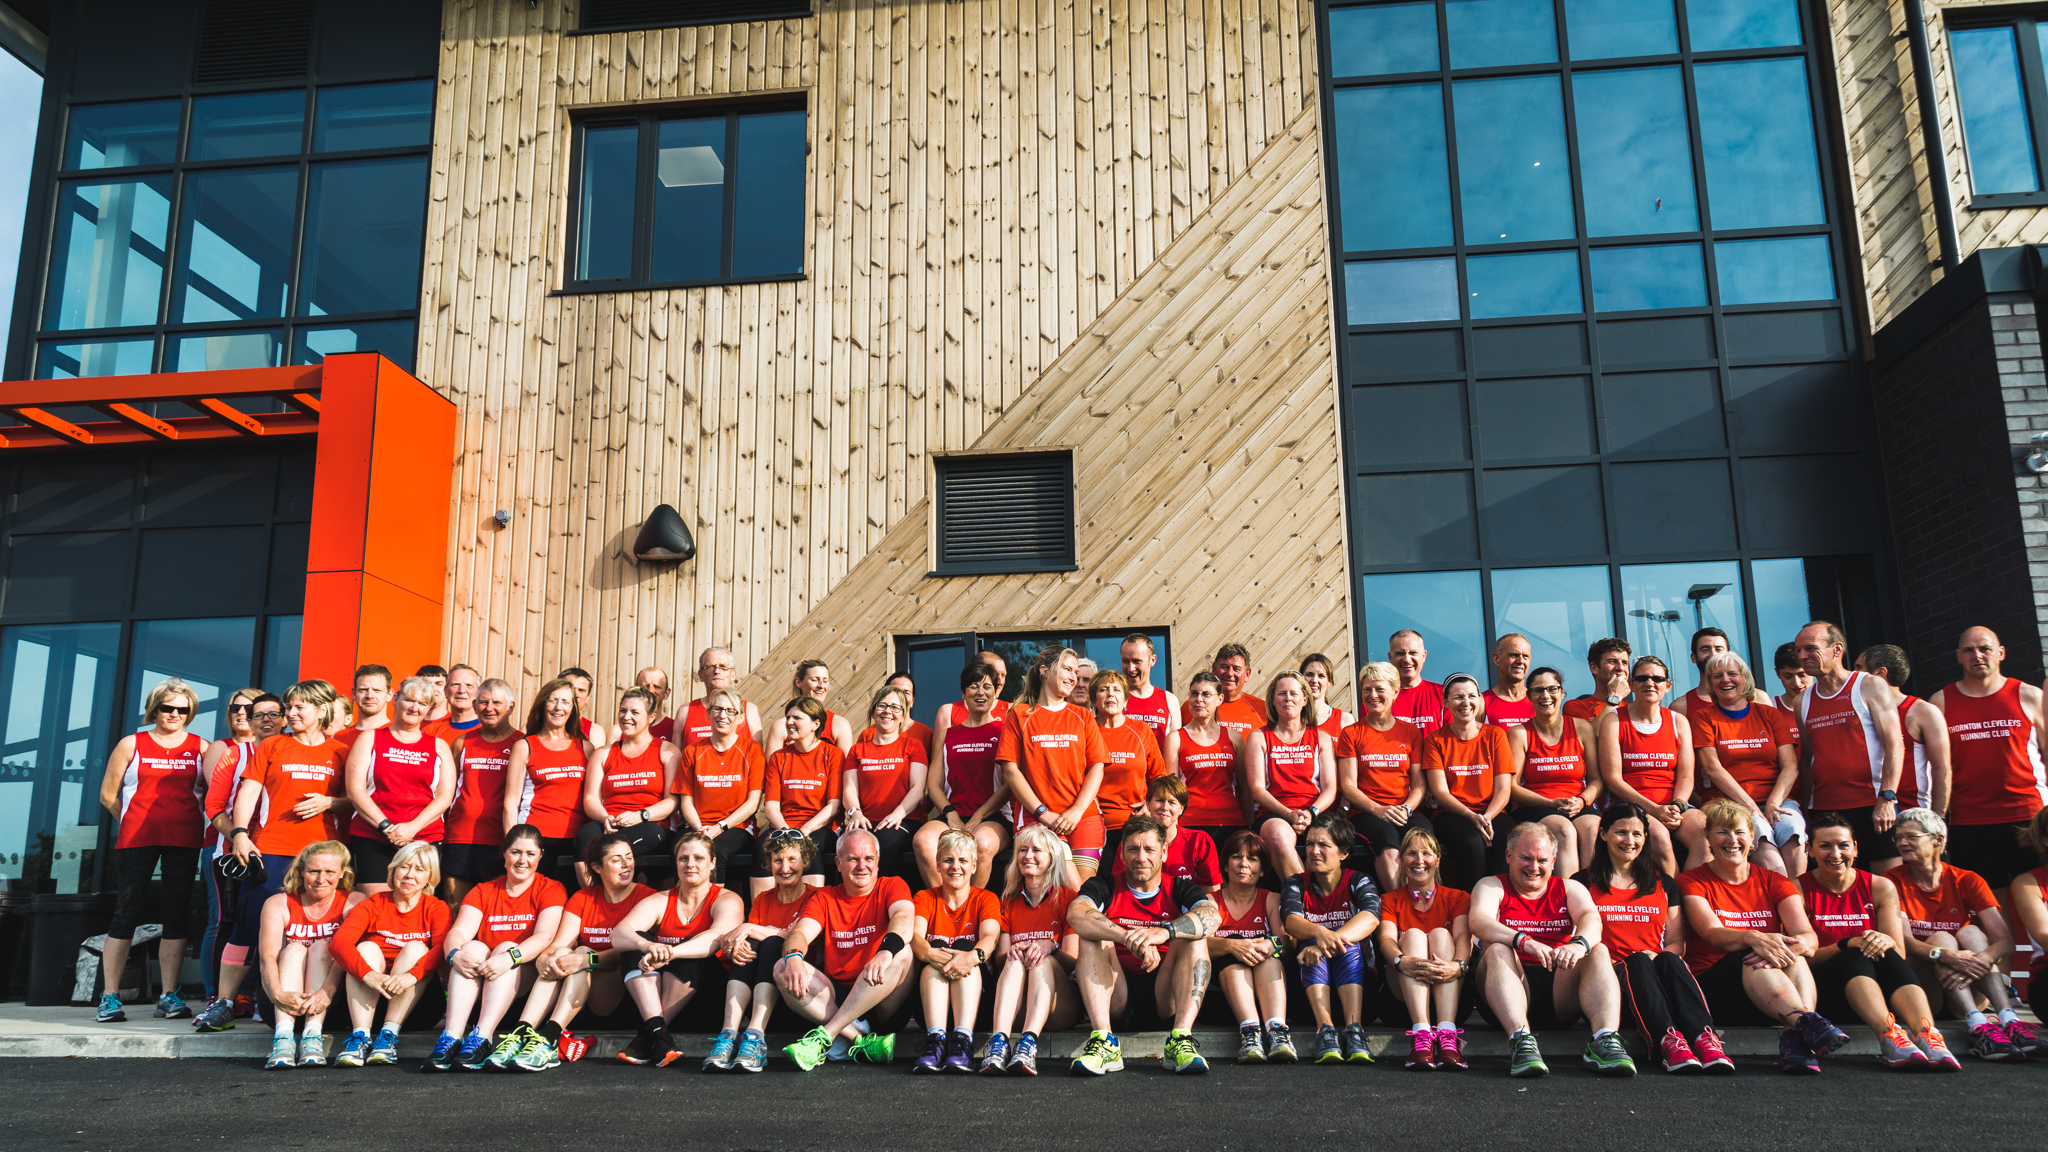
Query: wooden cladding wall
[(986, 178)]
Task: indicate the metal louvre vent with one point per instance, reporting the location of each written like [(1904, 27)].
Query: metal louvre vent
[(620, 15), (254, 40), (1005, 513)]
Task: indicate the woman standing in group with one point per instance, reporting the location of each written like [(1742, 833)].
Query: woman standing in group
[(719, 782), (753, 949), (957, 926), (1860, 966), (626, 786), (1646, 760), (221, 767), (1425, 937), (883, 784), (1205, 754), (1246, 949), (965, 790), (1557, 785), (1133, 756), (1052, 757), (1038, 951), (1379, 772), (1330, 912), (155, 791), (1956, 938), (800, 792), (1290, 771), (814, 682), (1644, 930), (388, 944), (401, 778), (1470, 767), (544, 778), (1746, 752), (498, 932), (1319, 673), (473, 850), (299, 972)]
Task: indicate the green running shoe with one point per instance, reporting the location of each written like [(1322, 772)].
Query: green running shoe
[(1524, 1058), (1103, 1053), (501, 1057), (536, 1054), (875, 1048), (1605, 1054), (809, 1050), (1184, 1056)]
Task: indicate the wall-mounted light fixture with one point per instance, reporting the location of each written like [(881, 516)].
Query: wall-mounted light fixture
[(664, 536), (2037, 460), (502, 518)]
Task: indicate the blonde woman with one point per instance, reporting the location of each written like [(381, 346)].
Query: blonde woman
[(299, 971), (957, 926), (389, 943), (1037, 950)]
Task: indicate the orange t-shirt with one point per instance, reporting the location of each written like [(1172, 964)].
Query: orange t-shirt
[(1956, 902), (595, 916), (1134, 760), (508, 917), (944, 925), (770, 912), (884, 775), (1053, 747), (803, 782), (1385, 759), (1046, 920), (1751, 906), (1631, 919), (1747, 746), (1469, 766), (1398, 908), (849, 927), (719, 782), (289, 772)]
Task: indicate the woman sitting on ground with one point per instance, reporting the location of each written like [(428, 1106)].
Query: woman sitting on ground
[(1426, 934), (499, 930), (1038, 952), (753, 948), (1246, 951), (1957, 938), (299, 972), (388, 943), (675, 932), (957, 928), (1330, 911)]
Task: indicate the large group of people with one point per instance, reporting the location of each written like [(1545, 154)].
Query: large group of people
[(1093, 850)]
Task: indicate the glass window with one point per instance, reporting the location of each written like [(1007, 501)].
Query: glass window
[(58, 682), (1662, 507), (1431, 418), (122, 135), (1514, 175), (1782, 608), (280, 652), (1996, 129), (1532, 419), (1486, 33), (1663, 411), (395, 339), (1772, 271), (1635, 153), (768, 204), (1718, 25), (256, 124), (1401, 291), (107, 253), (1648, 276), (1381, 39), (235, 244), (1662, 605), (1545, 513), (1415, 518), (1756, 137), (213, 656), (1561, 611), (1393, 172), (65, 360), (1598, 29), (211, 351), (374, 116), (365, 231), (1524, 284), (1444, 607), (604, 242), (689, 199)]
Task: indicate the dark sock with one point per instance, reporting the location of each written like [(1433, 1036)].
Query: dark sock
[(654, 1026), (550, 1031)]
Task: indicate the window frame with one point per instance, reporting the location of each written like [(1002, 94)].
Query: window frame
[(937, 544), (646, 161), (2033, 90)]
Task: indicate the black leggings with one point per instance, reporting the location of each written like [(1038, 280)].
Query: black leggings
[(761, 969), (730, 842), (1831, 980), (1661, 994), (1464, 856), (893, 846), (136, 866)]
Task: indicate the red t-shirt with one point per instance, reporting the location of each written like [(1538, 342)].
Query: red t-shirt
[(1751, 906), (508, 917), (851, 926), (379, 921), (884, 774), (551, 799), (769, 911), (477, 815), (944, 925), (1747, 745), (1631, 919), (1028, 923), (596, 916), (802, 782), (1053, 747), (719, 782), (1506, 713), (1469, 766), (1961, 895), (1211, 774), (1385, 759), (1422, 706), (1398, 908)]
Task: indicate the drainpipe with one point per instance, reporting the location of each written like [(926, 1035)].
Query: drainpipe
[(1930, 132)]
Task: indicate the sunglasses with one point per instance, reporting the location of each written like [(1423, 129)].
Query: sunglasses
[(1647, 679), (173, 710), (234, 708)]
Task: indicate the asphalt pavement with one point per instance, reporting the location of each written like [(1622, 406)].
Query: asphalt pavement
[(166, 1105)]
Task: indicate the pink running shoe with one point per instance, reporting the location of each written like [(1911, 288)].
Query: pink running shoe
[(1678, 1055), (1930, 1040), (2028, 1041), (1713, 1057), (1423, 1057), (1449, 1049), (1988, 1042)]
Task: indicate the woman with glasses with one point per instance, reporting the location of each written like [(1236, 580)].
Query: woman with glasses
[(1956, 938), (626, 786), (718, 784), (1557, 786), (1646, 760), (883, 785), (222, 767), (401, 778)]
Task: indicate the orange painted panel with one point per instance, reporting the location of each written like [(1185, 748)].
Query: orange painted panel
[(413, 461), (341, 474), (327, 640), (400, 630)]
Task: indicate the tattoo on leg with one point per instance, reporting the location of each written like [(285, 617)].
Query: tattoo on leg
[(1199, 978)]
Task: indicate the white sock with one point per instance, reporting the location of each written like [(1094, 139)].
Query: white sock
[(1446, 1026), (1275, 1022), (284, 1026), (1243, 1024), (1602, 1032), (1975, 1019), (2008, 1016)]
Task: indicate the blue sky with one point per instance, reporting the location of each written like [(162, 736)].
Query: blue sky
[(21, 95)]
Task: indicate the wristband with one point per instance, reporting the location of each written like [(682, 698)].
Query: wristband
[(452, 953), (947, 810), (787, 955), (1311, 810), (980, 957), (1042, 810), (1581, 942), (892, 944), (384, 825), (1516, 943), (234, 832)]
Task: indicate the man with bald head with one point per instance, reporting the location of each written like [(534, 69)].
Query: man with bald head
[(1419, 702), (1849, 742), (715, 670), (848, 955), (1997, 746), (1507, 703)]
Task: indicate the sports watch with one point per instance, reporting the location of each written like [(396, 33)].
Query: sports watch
[(1887, 795)]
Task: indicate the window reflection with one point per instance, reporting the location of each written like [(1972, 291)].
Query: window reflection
[(768, 214), (235, 242), (1996, 131), (1486, 33), (1774, 271), (58, 684), (1524, 284), (1382, 39), (1514, 177), (1718, 25), (1648, 276), (1598, 29), (604, 242), (1401, 291), (1393, 172), (1444, 607), (394, 339), (66, 360), (1635, 153), (212, 351), (1782, 608), (257, 124), (374, 116), (213, 656), (121, 135), (1561, 610), (281, 652), (1662, 605), (365, 230), (107, 259), (689, 200), (1756, 138)]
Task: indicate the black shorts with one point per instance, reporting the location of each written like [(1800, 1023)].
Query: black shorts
[(1721, 983), (1385, 835), (761, 969), (1112, 843), (649, 840), (1542, 1002), (1870, 843), (135, 867), (475, 863), (1992, 851), (691, 970), (1831, 980), (371, 857)]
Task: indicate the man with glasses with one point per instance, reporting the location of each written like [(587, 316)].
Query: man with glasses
[(1849, 742), (715, 671)]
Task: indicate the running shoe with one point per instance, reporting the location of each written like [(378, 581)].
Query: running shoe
[(725, 1048), (536, 1054), (1524, 1057), (666, 1050), (1930, 1040), (807, 1053), (998, 1055), (1421, 1049), (1450, 1049), (1183, 1055), (499, 1058), (1794, 1057), (1280, 1045), (218, 1016), (1821, 1036), (2028, 1041), (474, 1054), (245, 1005), (110, 1010), (385, 1050), (1024, 1058), (1607, 1055), (875, 1048), (1103, 1053), (1989, 1042), (1355, 1050), (573, 1047), (934, 1053), (1251, 1047), (960, 1053), (170, 1007), (1897, 1050), (1329, 1049), (284, 1053), (312, 1051), (353, 1050), (1713, 1055), (443, 1055), (1678, 1055), (753, 1052)]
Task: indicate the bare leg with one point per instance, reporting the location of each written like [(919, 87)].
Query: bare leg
[(1280, 838), (1352, 998), (935, 992), (1568, 856), (1507, 991), (1188, 961), (1239, 993), (966, 997), (924, 847), (1586, 830), (989, 838), (1991, 987), (894, 987), (498, 996), (1414, 994), (1774, 991), (170, 961), (763, 1004), (1389, 869), (1598, 992), (1445, 995), (1101, 979), (362, 999), (113, 962), (463, 990), (1050, 1001), (398, 1006), (1318, 1002), (1009, 994)]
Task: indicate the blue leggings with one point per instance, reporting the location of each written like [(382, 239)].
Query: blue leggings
[(1346, 967)]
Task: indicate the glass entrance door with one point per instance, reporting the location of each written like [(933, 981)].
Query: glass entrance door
[(58, 684)]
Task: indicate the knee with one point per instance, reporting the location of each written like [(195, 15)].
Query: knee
[(1944, 940), (1972, 938)]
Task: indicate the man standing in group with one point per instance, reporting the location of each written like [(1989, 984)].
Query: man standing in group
[(1240, 711), (655, 681), (462, 682), (715, 671), (1507, 703), (1849, 743), (1419, 701), (583, 684), (436, 678), (1154, 705), (862, 928), (1998, 746), (1708, 643), (1607, 660), (1924, 776), (371, 694)]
